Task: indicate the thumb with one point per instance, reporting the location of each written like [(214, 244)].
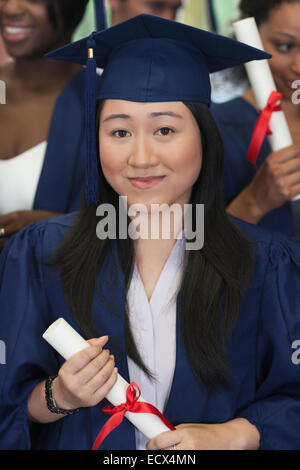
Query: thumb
[(101, 341)]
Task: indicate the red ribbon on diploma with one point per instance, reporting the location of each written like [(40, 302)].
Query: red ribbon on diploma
[(133, 393), (261, 128)]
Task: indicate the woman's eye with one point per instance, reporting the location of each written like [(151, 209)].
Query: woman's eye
[(165, 131), (120, 133), (284, 47)]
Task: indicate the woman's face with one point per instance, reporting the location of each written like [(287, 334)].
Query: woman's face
[(281, 37), (150, 152), (26, 28)]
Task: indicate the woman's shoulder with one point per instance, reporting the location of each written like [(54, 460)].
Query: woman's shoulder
[(237, 110), (38, 241), (55, 227), (272, 249)]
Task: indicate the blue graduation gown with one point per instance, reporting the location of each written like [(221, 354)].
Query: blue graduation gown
[(235, 120), (61, 181), (265, 383)]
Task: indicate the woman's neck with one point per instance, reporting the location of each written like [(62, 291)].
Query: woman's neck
[(151, 257), (150, 253)]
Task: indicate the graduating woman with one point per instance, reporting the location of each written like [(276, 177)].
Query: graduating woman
[(208, 335), (264, 198), (42, 123)]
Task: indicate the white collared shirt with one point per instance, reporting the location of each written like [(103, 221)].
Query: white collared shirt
[(153, 326)]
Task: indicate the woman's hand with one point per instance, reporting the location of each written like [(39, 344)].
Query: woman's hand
[(15, 221), (275, 183), (237, 434), (86, 378), (83, 380)]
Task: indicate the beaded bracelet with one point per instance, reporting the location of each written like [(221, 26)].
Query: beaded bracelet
[(51, 405)]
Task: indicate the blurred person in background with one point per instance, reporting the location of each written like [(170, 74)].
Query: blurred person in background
[(41, 137), (264, 197), (122, 10)]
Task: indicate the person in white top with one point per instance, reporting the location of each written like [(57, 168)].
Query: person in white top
[(33, 85)]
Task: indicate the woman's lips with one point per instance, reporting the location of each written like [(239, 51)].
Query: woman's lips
[(14, 34), (146, 183)]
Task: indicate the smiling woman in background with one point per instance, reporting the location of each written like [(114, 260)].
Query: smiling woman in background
[(263, 198), (41, 145)]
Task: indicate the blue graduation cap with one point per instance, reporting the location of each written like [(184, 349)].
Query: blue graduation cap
[(150, 59)]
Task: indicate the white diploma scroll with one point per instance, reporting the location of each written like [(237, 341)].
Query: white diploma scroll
[(262, 83), (66, 341)]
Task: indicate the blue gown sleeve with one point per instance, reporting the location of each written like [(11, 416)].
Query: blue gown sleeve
[(276, 408), (23, 315)]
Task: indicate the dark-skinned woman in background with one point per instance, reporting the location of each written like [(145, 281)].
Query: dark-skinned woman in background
[(41, 145), (265, 197)]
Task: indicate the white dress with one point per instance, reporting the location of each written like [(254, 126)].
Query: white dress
[(153, 325), (19, 178)]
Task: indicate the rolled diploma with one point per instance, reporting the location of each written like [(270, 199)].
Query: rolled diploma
[(66, 341), (262, 82)]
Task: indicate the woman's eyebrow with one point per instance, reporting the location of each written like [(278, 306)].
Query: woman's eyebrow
[(117, 116), (152, 115), (165, 113), (285, 34)]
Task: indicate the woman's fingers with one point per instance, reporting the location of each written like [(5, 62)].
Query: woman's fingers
[(289, 167), (10, 222), (102, 375), (106, 387), (5, 219), (101, 341), (288, 186), (91, 370), (81, 359), (165, 441), (288, 153), (10, 229), (87, 376)]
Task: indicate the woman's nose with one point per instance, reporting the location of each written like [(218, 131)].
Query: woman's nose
[(12, 7), (296, 64), (142, 154)]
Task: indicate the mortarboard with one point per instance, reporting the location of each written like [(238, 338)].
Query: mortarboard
[(150, 59)]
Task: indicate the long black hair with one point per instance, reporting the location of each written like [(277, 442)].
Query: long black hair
[(261, 9), (214, 278), (70, 11)]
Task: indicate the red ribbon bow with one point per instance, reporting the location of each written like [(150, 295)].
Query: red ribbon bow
[(261, 128), (133, 393)]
